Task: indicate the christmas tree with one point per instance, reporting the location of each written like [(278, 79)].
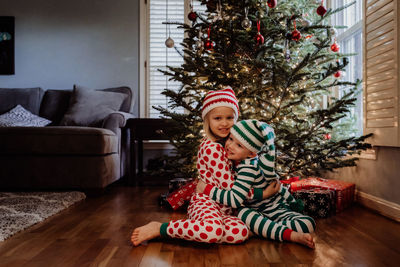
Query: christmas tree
[(281, 59)]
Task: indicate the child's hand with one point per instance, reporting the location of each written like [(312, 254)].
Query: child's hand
[(272, 189), (200, 186)]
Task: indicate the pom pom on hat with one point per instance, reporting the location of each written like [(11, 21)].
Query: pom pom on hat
[(220, 98)]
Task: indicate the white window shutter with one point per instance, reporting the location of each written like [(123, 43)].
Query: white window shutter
[(381, 71), (159, 55)]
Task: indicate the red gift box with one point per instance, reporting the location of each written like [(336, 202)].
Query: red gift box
[(344, 191), (182, 195)]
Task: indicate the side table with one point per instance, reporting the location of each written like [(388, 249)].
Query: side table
[(143, 129)]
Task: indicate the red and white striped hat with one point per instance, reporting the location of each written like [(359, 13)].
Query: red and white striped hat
[(221, 98)]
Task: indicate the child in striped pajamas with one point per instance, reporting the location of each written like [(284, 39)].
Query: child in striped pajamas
[(275, 217), (208, 221)]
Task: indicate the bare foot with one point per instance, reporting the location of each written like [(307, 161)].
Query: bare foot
[(145, 232), (305, 239)]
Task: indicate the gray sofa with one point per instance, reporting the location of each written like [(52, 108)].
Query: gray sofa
[(62, 157)]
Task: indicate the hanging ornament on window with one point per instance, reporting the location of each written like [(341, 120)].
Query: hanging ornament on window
[(246, 23), (169, 42), (335, 47), (259, 38), (296, 35), (321, 10), (208, 44), (272, 3)]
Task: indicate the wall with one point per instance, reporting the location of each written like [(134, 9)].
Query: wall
[(379, 178), (93, 43)]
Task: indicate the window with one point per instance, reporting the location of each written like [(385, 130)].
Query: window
[(350, 41), (158, 54)]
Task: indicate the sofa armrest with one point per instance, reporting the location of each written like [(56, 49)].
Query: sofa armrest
[(116, 120)]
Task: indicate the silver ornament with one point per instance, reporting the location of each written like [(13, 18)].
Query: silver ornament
[(333, 31), (305, 23), (169, 42), (246, 23)]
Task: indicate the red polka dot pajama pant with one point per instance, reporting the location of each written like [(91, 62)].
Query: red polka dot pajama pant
[(208, 222)]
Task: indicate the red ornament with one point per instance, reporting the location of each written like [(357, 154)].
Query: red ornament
[(296, 35), (259, 38), (208, 44), (337, 74), (321, 10), (335, 47), (192, 16), (327, 136), (272, 3)]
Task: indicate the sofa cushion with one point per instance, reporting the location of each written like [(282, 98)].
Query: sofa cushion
[(54, 105), (57, 141), (29, 98), (19, 116), (89, 107)]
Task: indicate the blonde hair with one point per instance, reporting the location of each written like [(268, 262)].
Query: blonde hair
[(207, 129)]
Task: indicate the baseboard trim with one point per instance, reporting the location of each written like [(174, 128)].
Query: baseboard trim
[(384, 207)]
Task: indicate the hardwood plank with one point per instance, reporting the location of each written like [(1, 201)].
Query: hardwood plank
[(96, 232)]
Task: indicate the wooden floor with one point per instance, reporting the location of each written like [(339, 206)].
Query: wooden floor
[(96, 232)]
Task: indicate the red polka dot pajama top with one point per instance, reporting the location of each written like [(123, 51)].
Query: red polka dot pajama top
[(209, 221)]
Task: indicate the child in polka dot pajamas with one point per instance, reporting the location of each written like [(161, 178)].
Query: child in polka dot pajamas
[(275, 217), (208, 221)]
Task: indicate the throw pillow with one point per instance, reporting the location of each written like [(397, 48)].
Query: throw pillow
[(19, 116), (89, 107)]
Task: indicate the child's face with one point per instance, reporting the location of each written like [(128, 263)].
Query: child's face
[(221, 120), (236, 151)]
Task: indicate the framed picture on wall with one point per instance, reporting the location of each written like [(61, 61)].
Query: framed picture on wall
[(7, 45)]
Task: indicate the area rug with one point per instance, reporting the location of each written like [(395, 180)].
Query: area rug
[(20, 210)]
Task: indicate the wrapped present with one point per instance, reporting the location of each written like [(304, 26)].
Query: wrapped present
[(287, 182), (344, 191), (318, 203), (181, 196), (176, 183)]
